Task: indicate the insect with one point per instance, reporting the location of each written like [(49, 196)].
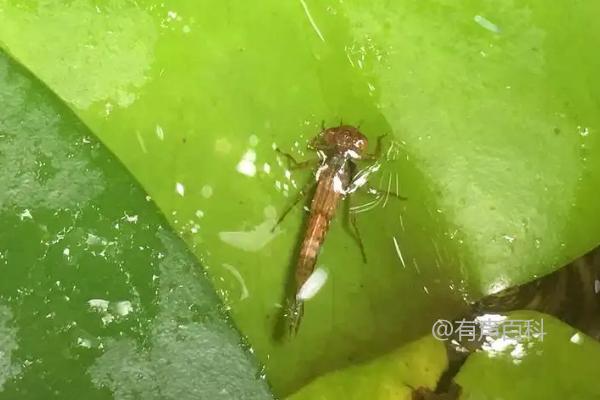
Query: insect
[(338, 149)]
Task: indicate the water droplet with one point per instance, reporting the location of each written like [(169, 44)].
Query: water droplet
[(207, 191), (246, 165), (486, 24), (583, 131), (160, 133), (25, 214), (508, 238), (576, 338), (180, 189), (123, 307)]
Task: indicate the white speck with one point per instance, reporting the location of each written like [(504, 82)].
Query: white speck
[(98, 305), (207, 191), (288, 174), (246, 165), (518, 353), (312, 21), (253, 140), (25, 214), (499, 345), (399, 252), (497, 286), (160, 133), (81, 342), (199, 213), (509, 239), (337, 185), (236, 274), (171, 15), (123, 308), (66, 251), (194, 229), (490, 318), (267, 168), (131, 218), (148, 198), (107, 319), (425, 289), (576, 338), (596, 286), (487, 24), (313, 284), (93, 240), (186, 29), (180, 189), (583, 131)]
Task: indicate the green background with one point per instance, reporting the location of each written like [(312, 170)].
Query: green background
[(493, 128)]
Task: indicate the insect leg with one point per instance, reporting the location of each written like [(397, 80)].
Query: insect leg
[(294, 164), (289, 208), (377, 153), (377, 192), (357, 235), (350, 219)]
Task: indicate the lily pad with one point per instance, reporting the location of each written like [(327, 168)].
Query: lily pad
[(561, 364), (98, 298), (492, 109), (394, 376)]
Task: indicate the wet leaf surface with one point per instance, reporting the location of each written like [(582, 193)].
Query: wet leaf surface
[(98, 297), (418, 365), (492, 123), (561, 366)]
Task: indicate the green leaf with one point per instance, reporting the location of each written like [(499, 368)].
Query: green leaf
[(98, 298), (561, 366), (493, 109), (393, 376)]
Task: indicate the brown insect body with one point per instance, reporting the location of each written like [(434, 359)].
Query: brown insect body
[(337, 147)]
